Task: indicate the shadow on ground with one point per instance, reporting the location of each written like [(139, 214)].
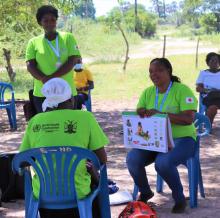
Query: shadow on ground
[(111, 122)]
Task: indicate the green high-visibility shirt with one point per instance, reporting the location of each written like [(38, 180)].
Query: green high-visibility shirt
[(39, 49), (179, 99), (65, 127)]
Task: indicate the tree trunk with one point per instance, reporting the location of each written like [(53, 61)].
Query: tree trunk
[(11, 73), (158, 8), (197, 53), (164, 45), (135, 15), (164, 9), (127, 47)]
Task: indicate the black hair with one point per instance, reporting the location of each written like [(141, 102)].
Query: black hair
[(210, 55), (166, 63), (46, 9)]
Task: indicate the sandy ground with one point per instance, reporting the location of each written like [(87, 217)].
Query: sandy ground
[(109, 116)]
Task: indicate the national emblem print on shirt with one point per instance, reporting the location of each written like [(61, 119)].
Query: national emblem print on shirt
[(189, 100), (70, 127)]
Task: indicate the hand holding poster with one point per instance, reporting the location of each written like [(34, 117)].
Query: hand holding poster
[(152, 133)]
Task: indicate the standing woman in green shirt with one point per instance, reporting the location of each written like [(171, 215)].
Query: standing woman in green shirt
[(49, 55), (166, 96)]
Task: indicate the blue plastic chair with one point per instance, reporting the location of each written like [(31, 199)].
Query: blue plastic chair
[(202, 107), (57, 188), (9, 105), (88, 103), (203, 127)]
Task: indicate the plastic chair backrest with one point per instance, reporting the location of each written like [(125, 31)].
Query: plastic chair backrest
[(55, 167), (88, 103), (3, 87), (202, 124), (202, 107)]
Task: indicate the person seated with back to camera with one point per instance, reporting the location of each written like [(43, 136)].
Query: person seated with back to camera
[(85, 132), (83, 81), (166, 96), (208, 84)]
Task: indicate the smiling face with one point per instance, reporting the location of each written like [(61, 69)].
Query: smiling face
[(49, 22), (159, 74), (214, 62)]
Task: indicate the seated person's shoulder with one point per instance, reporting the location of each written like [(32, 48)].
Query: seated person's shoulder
[(81, 114), (86, 71), (149, 89), (182, 89)]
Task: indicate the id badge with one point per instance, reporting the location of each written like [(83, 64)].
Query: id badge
[(58, 64)]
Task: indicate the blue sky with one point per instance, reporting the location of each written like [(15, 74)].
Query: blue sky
[(104, 6)]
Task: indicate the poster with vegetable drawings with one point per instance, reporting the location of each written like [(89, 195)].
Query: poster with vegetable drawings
[(153, 133)]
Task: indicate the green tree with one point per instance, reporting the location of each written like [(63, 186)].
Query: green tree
[(18, 21), (159, 8), (203, 13), (145, 23), (208, 23), (85, 9), (192, 10)]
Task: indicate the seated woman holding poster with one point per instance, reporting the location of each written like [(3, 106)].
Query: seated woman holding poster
[(166, 96)]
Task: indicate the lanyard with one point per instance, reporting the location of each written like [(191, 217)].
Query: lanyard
[(164, 97), (55, 50)]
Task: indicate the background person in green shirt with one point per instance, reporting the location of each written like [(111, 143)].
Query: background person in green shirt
[(168, 96), (49, 55), (61, 125)]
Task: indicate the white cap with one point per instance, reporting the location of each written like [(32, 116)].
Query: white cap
[(56, 91)]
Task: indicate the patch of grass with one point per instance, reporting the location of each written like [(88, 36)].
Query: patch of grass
[(23, 83), (213, 39), (187, 31), (113, 84), (100, 42)]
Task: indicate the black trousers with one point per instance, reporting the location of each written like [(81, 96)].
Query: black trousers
[(81, 99), (69, 213), (38, 101)]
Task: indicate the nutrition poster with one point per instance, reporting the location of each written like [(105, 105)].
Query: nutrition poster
[(153, 133)]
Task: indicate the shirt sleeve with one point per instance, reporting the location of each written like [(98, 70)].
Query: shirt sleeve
[(200, 78), (30, 51), (89, 75), (97, 139), (72, 46), (187, 99), (142, 100)]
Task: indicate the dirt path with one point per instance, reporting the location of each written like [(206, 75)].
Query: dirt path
[(174, 46), (109, 116), (154, 48)]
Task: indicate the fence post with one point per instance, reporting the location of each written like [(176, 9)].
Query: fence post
[(197, 52), (164, 45)]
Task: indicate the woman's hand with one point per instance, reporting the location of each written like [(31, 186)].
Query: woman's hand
[(200, 88), (92, 171), (44, 79), (141, 112), (151, 112)]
